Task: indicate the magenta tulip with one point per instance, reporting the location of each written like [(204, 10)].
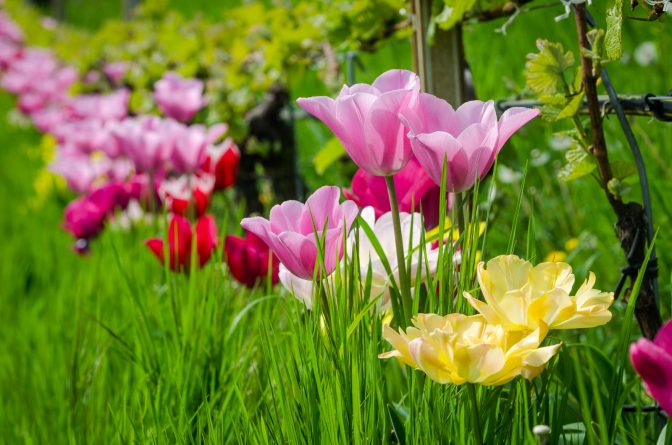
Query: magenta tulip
[(85, 217), (468, 138), (179, 98), (115, 71), (414, 189), (294, 229), (365, 119), (653, 362)]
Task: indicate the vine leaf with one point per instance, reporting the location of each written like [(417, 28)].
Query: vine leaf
[(544, 71), (622, 169), (612, 39), (579, 164), (453, 12)]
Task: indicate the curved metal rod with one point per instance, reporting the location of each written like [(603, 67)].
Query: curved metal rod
[(639, 161)]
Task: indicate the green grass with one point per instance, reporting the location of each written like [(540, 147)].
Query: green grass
[(110, 348)]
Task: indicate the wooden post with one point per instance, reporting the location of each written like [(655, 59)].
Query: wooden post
[(441, 65)]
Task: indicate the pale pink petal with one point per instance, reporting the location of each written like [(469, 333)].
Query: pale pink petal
[(285, 216), (319, 210), (511, 120), (298, 253), (397, 80)]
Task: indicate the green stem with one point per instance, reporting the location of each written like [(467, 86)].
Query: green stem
[(406, 304), (475, 414), (459, 208)]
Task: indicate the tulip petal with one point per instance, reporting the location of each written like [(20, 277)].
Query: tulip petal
[(431, 149), (298, 254), (653, 364), (512, 120), (319, 210), (155, 245), (664, 338), (260, 227), (396, 80)]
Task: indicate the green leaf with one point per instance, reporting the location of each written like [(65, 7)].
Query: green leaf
[(544, 71), (613, 41), (332, 151), (452, 13), (573, 106), (579, 164), (622, 169)]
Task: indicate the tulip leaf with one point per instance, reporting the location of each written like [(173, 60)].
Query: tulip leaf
[(579, 164), (612, 40), (545, 70), (332, 151)]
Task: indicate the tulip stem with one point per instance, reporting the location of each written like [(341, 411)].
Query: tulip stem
[(406, 304), (471, 389)]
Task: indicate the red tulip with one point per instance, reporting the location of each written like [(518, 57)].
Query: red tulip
[(181, 193), (248, 259), (222, 162), (180, 242)]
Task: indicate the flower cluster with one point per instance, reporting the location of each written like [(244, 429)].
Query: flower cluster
[(111, 159), (522, 303)]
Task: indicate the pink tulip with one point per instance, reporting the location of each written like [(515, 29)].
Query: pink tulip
[(9, 30), (146, 140), (104, 107), (191, 147), (414, 190), (27, 72), (180, 237), (49, 118), (80, 172), (468, 138), (294, 229), (115, 71), (86, 135), (653, 362), (9, 52), (365, 119), (179, 98)]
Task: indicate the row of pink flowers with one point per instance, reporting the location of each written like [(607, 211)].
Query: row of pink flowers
[(108, 156)]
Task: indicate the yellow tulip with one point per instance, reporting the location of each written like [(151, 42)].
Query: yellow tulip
[(457, 348), (522, 297)]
